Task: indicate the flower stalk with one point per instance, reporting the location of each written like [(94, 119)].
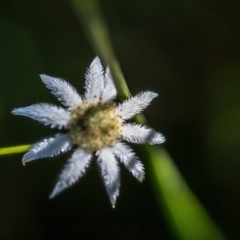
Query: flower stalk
[(15, 149)]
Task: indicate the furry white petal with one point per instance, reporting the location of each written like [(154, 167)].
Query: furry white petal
[(110, 91), (48, 147), (63, 90), (74, 169), (94, 81), (45, 113), (126, 156), (135, 133), (135, 105), (110, 172)]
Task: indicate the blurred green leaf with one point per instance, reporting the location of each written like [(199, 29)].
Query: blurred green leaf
[(184, 213)]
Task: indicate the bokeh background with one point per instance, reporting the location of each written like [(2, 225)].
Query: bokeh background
[(187, 51)]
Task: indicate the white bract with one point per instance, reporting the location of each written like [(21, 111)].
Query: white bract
[(95, 123)]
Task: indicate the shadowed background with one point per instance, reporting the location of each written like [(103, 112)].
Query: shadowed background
[(187, 51)]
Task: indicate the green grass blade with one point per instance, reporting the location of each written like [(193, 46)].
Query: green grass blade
[(184, 213)]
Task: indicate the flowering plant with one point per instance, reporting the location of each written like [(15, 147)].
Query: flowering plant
[(96, 125)]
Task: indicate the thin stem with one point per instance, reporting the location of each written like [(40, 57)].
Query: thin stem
[(14, 150), (95, 28)]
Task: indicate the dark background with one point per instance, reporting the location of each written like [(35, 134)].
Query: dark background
[(187, 51)]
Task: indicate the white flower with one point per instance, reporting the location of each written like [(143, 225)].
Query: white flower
[(96, 125)]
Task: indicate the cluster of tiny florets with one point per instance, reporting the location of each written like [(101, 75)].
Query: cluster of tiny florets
[(95, 126)]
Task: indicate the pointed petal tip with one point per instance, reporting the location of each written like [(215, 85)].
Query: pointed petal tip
[(162, 139), (141, 178), (96, 59), (159, 139), (43, 77), (15, 111), (55, 192), (154, 95), (51, 196), (25, 160), (113, 202), (96, 62), (60, 186)]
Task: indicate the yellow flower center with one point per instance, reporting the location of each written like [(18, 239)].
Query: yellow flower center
[(95, 126)]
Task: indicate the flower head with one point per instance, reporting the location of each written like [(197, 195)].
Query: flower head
[(96, 125)]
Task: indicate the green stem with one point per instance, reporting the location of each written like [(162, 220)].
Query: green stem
[(89, 16), (95, 28), (14, 150)]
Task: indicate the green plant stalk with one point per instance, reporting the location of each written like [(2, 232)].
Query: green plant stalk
[(95, 28), (89, 16), (14, 150), (184, 214)]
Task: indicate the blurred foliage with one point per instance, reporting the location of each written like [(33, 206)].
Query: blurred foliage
[(188, 51), (186, 216)]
